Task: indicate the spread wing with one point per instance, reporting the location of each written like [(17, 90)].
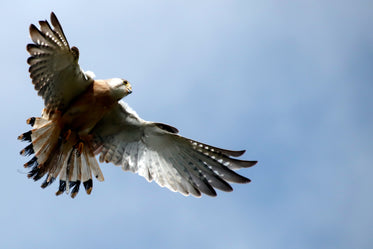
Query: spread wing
[(156, 152), (54, 67)]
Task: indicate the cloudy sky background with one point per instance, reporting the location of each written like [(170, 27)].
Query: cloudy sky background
[(289, 81)]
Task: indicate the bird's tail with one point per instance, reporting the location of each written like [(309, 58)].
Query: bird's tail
[(59, 153)]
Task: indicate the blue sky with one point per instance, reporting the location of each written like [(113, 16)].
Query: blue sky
[(290, 82)]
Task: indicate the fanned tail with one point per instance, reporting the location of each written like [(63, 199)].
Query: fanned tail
[(60, 154)]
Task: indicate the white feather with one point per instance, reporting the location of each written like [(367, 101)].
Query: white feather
[(92, 163)]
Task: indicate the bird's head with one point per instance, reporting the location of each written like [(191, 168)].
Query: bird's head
[(119, 88)]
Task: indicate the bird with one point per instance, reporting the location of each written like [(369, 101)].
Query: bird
[(83, 118)]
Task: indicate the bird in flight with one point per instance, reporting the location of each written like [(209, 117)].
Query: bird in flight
[(84, 117)]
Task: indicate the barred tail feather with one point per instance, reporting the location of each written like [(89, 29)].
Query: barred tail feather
[(43, 140), (77, 168), (57, 156), (91, 162)]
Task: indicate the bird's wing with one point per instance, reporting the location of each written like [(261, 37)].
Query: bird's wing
[(54, 67), (156, 152)]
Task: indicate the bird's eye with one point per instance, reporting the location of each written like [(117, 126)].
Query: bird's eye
[(125, 82)]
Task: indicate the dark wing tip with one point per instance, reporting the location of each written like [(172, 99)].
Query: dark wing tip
[(30, 46), (207, 189), (197, 193), (211, 193), (58, 29), (166, 127), (75, 52), (226, 187), (237, 153), (29, 61), (242, 180), (54, 19), (42, 22), (33, 28), (253, 162), (237, 164), (247, 164)]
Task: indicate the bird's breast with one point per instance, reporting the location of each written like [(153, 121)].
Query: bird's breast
[(88, 109)]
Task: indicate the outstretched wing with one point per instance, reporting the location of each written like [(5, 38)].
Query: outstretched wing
[(156, 152), (54, 67)]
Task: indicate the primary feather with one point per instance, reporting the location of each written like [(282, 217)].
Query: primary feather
[(158, 153)]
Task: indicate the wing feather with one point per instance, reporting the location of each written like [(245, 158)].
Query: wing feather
[(58, 29), (54, 67), (156, 152)]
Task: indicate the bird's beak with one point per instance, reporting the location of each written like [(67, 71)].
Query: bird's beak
[(129, 89)]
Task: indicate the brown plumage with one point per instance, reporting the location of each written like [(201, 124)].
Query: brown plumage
[(74, 103), (83, 117)]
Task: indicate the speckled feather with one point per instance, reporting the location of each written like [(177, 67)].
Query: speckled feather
[(156, 153), (54, 67)]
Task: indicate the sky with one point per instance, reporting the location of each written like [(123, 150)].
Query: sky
[(289, 81)]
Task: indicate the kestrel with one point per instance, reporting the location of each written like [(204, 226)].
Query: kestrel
[(84, 117)]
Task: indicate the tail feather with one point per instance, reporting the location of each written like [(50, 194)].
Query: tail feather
[(74, 188), (31, 163), (44, 140), (48, 181), (25, 136), (75, 172), (93, 164), (36, 122), (73, 169), (58, 157), (64, 166), (85, 170)]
